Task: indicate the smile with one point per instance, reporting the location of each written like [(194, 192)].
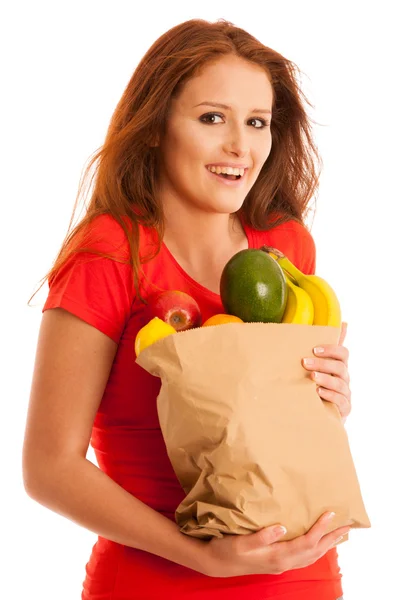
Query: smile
[(227, 170), (228, 175)]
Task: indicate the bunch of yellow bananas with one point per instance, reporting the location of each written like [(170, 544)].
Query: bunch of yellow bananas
[(311, 300)]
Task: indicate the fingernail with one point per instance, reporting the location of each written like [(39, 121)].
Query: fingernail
[(330, 516), (280, 530), (318, 350)]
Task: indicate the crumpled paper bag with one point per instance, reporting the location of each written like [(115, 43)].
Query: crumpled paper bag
[(248, 436)]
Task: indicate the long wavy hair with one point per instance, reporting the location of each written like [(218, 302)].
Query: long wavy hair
[(126, 165)]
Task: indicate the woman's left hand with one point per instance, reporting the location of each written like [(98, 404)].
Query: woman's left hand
[(331, 375)]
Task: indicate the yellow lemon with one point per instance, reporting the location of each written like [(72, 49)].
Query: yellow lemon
[(220, 319), (150, 333)]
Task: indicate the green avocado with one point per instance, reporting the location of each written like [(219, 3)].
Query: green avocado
[(253, 287)]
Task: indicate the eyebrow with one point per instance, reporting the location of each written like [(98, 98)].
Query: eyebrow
[(226, 107)]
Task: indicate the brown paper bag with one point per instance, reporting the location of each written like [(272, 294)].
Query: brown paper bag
[(249, 438)]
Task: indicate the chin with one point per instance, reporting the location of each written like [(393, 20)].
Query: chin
[(230, 205)]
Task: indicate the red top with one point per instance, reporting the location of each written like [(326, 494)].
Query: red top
[(126, 436)]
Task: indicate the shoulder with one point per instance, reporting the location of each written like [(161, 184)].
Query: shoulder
[(106, 235), (293, 239), (298, 234), (95, 281)]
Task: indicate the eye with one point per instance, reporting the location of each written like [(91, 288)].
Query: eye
[(209, 118), (262, 121)]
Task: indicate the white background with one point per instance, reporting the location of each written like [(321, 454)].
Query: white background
[(64, 68)]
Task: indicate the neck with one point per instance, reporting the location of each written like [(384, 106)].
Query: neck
[(203, 239)]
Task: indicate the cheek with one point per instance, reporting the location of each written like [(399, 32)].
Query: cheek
[(190, 150), (261, 152), (264, 148), (198, 146), (182, 160)]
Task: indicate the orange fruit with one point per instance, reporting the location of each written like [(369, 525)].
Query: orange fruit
[(221, 319), (150, 333)]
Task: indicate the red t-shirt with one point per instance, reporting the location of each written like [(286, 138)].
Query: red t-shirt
[(126, 436)]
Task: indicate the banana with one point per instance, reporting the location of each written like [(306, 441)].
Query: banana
[(326, 304), (299, 307)]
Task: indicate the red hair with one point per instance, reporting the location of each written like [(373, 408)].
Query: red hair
[(126, 170)]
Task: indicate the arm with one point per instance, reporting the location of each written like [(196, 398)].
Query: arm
[(73, 362), (72, 366)]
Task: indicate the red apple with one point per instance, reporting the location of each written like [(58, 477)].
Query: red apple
[(176, 308)]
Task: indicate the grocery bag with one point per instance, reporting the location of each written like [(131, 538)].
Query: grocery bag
[(248, 436)]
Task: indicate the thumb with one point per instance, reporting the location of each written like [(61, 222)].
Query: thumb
[(264, 537)]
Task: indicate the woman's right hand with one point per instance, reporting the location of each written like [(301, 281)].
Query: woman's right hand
[(262, 553)]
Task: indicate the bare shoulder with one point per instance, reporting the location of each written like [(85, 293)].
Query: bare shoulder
[(72, 366)]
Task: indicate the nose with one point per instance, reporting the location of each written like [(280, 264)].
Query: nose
[(236, 143)]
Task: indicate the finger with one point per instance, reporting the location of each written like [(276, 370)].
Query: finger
[(342, 403), (332, 538), (336, 351), (326, 365), (331, 382), (262, 538), (318, 530), (342, 333)]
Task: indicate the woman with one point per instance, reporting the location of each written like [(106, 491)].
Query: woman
[(162, 215)]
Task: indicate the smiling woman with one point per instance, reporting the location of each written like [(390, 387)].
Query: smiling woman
[(190, 173)]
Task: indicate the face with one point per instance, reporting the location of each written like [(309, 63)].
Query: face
[(202, 137)]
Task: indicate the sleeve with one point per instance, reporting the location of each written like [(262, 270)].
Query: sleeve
[(308, 253), (294, 240), (96, 289)]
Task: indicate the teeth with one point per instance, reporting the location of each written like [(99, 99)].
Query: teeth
[(226, 170)]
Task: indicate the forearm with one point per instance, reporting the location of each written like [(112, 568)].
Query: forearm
[(81, 492)]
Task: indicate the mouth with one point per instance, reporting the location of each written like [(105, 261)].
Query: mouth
[(234, 177)]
